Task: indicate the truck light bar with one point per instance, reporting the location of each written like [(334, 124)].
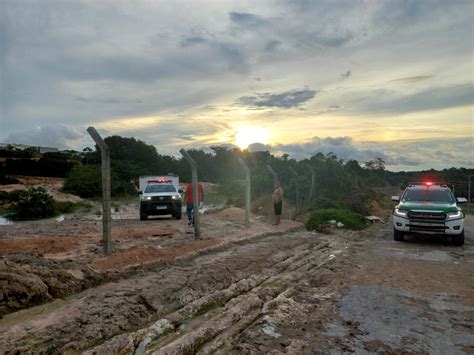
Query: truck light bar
[(160, 181), (427, 183)]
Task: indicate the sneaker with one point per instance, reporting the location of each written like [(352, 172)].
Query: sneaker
[(190, 222)]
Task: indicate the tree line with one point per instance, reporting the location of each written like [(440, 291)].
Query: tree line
[(338, 183)]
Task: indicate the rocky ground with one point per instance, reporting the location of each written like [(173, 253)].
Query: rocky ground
[(263, 290)]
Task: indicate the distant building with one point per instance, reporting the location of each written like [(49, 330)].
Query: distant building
[(43, 150), (37, 148)]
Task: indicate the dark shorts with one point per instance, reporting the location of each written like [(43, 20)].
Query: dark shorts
[(278, 206)]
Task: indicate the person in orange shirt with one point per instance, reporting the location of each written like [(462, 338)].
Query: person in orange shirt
[(190, 200)]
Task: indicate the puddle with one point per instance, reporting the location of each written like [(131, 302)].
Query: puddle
[(435, 255), (392, 316), (4, 221), (11, 319)]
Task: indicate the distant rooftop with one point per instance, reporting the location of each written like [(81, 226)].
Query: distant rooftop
[(37, 148)]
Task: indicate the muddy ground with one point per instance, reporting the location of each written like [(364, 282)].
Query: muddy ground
[(263, 290)]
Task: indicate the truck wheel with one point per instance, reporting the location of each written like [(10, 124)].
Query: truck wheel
[(458, 239), (398, 235), (143, 217), (178, 215)]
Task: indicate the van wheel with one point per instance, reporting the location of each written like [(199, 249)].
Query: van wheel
[(398, 235), (143, 217), (458, 239)]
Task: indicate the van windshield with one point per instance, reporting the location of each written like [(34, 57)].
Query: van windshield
[(160, 188), (429, 195)]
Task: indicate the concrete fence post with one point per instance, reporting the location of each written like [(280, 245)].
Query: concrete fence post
[(273, 172), (106, 189), (469, 194), (194, 179), (247, 190), (311, 190), (295, 174)]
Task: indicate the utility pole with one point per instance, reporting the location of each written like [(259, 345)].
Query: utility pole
[(106, 191), (194, 179), (297, 190), (247, 190)]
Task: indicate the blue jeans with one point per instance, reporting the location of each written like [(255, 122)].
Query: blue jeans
[(189, 212)]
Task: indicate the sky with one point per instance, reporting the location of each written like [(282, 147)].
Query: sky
[(362, 79)]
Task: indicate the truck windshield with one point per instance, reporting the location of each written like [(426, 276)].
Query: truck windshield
[(428, 196), (160, 188)]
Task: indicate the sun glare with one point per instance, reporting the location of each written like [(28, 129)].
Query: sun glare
[(248, 135)]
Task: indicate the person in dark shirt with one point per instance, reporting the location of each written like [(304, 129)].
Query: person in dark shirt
[(190, 200)]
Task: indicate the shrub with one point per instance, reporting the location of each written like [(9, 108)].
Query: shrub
[(84, 181), (5, 179), (36, 203), (234, 193), (350, 219), (33, 203)]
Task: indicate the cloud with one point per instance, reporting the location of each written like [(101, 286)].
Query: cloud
[(59, 136), (413, 79), (109, 100), (346, 75), (286, 100), (428, 99), (272, 45), (259, 147), (387, 101), (191, 41), (332, 40), (96, 62), (342, 147), (246, 19), (398, 155)]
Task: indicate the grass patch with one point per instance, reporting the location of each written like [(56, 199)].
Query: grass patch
[(350, 219), (63, 207)]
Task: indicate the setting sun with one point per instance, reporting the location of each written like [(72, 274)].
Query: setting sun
[(248, 135)]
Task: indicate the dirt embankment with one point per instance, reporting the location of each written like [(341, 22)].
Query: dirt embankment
[(44, 260), (215, 295), (52, 185), (27, 280)]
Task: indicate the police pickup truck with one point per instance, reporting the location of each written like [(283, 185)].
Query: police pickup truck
[(159, 195), (429, 207)]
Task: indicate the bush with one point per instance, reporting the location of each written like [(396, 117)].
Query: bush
[(86, 181), (5, 179), (234, 193), (350, 219), (36, 203), (33, 203)]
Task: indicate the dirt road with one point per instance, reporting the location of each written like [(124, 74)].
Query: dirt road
[(299, 292)]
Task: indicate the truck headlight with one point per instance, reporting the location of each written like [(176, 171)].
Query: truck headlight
[(400, 213), (146, 198), (454, 215), (175, 197)]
